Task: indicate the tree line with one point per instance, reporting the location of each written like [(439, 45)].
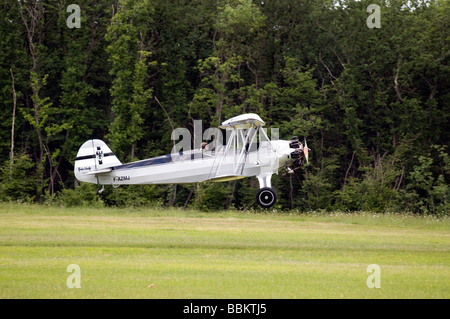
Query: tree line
[(371, 102)]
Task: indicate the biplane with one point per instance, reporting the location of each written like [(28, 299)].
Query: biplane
[(246, 152)]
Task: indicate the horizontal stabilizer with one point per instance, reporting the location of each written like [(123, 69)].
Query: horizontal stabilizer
[(100, 171)]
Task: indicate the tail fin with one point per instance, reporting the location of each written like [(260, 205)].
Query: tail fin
[(93, 156)]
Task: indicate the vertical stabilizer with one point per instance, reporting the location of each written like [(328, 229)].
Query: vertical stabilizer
[(93, 155)]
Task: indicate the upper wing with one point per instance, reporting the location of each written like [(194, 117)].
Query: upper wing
[(243, 121)]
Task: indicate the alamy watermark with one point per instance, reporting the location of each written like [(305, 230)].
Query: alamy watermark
[(74, 280), (216, 138), (74, 20), (374, 19), (374, 280)]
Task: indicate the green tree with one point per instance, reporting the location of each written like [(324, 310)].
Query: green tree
[(129, 52)]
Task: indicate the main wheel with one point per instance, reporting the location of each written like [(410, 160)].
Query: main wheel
[(266, 197)]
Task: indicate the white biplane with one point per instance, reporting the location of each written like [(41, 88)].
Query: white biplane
[(243, 155)]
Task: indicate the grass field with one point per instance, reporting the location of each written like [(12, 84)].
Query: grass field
[(145, 253)]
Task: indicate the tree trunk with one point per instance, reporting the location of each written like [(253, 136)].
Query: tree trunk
[(11, 154)]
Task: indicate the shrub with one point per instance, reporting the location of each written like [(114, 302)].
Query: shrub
[(84, 195), (18, 180)]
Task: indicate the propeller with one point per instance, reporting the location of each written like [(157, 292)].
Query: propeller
[(306, 150)]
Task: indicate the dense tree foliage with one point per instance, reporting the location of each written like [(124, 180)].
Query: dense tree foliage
[(372, 102)]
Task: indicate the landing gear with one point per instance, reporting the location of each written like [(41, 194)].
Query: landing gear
[(100, 191), (266, 197)]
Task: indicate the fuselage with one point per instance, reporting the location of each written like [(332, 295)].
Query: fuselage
[(191, 166)]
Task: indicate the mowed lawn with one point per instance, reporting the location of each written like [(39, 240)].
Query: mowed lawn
[(149, 253)]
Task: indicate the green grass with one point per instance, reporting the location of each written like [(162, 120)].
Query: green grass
[(149, 253)]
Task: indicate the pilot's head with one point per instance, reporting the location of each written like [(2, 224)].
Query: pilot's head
[(205, 146)]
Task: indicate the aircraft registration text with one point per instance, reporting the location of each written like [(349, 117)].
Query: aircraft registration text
[(121, 178)]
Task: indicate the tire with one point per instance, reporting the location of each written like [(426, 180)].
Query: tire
[(266, 197)]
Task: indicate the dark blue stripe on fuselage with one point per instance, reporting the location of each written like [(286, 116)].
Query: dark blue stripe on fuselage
[(151, 161)]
